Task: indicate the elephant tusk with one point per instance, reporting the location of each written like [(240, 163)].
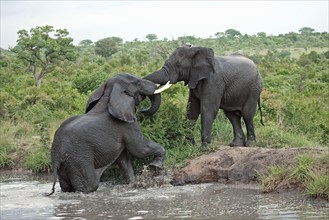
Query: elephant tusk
[(167, 86)]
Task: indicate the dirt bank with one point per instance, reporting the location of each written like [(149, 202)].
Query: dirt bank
[(237, 164)]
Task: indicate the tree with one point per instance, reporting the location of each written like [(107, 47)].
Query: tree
[(85, 43), (42, 48), (151, 37), (108, 46), (292, 36), (261, 34), (314, 56), (219, 34), (232, 33), (306, 30)]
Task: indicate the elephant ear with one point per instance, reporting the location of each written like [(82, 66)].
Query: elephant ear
[(95, 97), (121, 105), (202, 65)]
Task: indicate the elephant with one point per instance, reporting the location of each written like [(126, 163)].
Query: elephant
[(85, 145), (231, 83)]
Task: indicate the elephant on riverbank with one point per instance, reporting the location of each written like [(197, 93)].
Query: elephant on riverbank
[(231, 83), (85, 145)]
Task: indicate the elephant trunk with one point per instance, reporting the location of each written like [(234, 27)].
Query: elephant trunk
[(160, 77)]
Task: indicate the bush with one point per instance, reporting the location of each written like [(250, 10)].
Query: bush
[(168, 125), (87, 82), (38, 160)]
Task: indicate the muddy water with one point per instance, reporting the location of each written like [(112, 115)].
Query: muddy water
[(25, 200)]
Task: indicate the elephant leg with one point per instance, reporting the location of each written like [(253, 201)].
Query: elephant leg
[(64, 180), (192, 114), (83, 175), (235, 119), (248, 117), (145, 148), (208, 115), (159, 152), (125, 165)]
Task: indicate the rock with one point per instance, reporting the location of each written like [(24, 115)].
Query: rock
[(236, 164)]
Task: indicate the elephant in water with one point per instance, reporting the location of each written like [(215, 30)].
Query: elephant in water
[(85, 145), (231, 83)]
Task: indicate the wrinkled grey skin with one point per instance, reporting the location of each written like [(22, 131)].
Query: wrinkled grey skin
[(231, 83), (85, 145)]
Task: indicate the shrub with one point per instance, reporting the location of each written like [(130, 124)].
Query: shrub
[(86, 82), (38, 160)]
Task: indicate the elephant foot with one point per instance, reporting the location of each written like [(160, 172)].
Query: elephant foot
[(158, 164), (204, 147), (251, 143), (251, 140), (237, 143)]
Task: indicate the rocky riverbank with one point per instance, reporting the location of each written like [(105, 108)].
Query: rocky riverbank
[(247, 165)]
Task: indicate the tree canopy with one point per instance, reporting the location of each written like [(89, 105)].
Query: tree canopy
[(151, 37), (108, 46), (41, 47), (232, 33)]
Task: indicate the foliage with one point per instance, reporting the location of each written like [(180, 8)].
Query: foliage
[(294, 100), (151, 37), (232, 33), (108, 46), (39, 160), (41, 51)]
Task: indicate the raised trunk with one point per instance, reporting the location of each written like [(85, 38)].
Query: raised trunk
[(159, 77)]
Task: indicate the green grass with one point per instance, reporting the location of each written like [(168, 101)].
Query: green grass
[(271, 135), (303, 170), (273, 178), (5, 160), (310, 172), (13, 137), (38, 160), (179, 156), (318, 186)]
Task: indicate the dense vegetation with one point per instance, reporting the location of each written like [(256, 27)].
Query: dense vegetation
[(295, 98)]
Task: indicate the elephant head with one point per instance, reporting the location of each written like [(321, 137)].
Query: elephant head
[(120, 95), (187, 64)]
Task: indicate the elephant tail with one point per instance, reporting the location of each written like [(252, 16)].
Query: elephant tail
[(54, 183), (56, 158), (261, 113)]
